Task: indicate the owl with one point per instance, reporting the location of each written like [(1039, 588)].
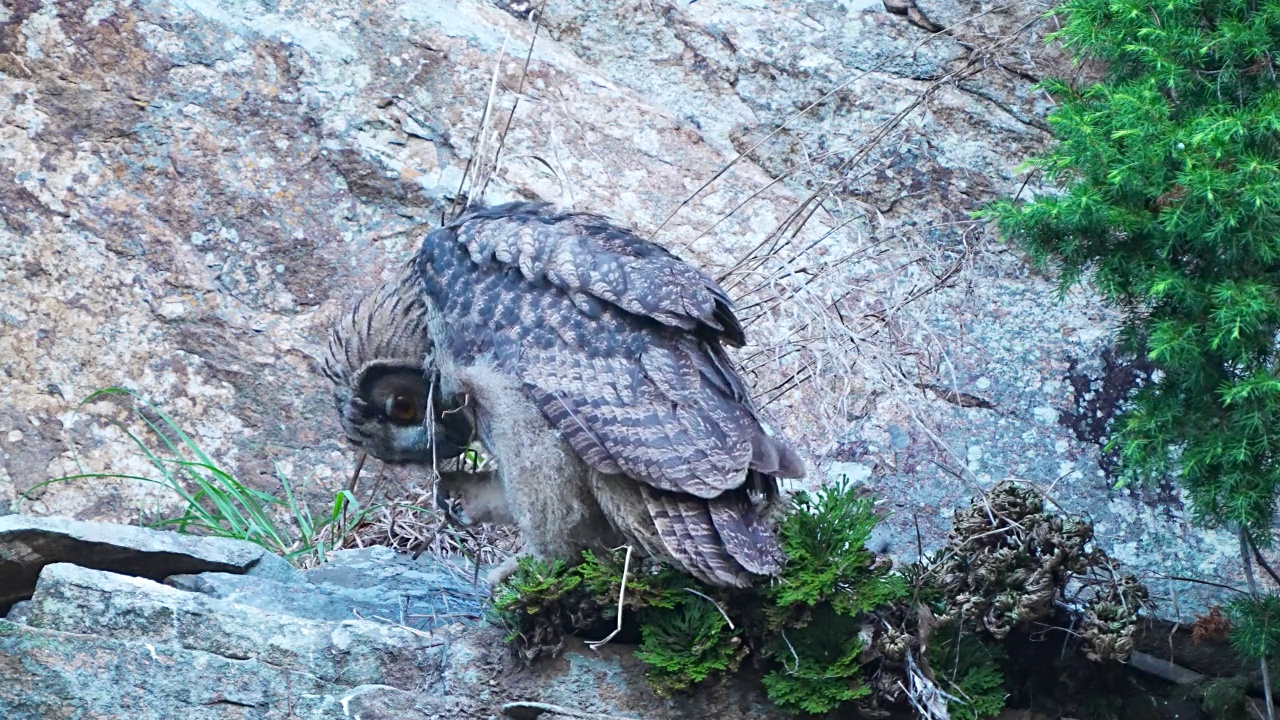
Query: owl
[(591, 365)]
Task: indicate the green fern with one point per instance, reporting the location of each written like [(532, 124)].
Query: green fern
[(824, 538), (967, 668), (818, 668), (686, 644)]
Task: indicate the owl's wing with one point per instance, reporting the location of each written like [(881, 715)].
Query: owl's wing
[(592, 262), (669, 419), (619, 344), (617, 340)]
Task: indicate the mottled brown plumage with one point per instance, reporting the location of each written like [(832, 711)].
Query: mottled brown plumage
[(591, 364), (378, 361)]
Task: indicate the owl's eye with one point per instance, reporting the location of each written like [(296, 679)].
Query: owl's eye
[(402, 408), (397, 394)]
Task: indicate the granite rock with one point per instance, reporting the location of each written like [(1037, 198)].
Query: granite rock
[(28, 544), (97, 644), (190, 190)]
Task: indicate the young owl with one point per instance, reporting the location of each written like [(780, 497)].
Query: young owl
[(591, 365)]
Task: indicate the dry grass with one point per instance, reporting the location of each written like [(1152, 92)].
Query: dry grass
[(837, 311), (405, 525)]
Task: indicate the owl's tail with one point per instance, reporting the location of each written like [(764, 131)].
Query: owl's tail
[(722, 541), (727, 540)]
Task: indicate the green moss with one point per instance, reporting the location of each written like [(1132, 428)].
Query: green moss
[(533, 602), (647, 587), (1224, 698)]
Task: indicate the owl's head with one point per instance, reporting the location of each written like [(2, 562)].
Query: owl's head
[(385, 383)]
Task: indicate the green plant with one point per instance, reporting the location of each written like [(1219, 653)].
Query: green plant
[(815, 611), (214, 501), (652, 588), (533, 603), (968, 669), (1255, 626), (824, 537), (685, 644), (1171, 177), (816, 665), (837, 628), (806, 624)]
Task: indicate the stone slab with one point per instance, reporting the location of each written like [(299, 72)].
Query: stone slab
[(352, 652), (28, 544), (374, 582)]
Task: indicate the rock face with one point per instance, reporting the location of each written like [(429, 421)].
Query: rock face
[(370, 634), (191, 190), (29, 544)]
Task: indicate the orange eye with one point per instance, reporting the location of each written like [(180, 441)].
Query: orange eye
[(402, 408)]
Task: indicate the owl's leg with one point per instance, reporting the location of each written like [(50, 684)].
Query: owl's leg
[(474, 498), (544, 483)]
